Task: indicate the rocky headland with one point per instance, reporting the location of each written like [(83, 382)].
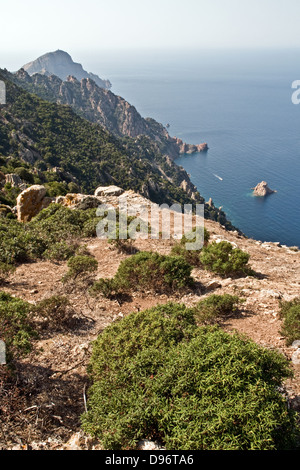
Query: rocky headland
[(61, 64), (190, 148), (55, 77)]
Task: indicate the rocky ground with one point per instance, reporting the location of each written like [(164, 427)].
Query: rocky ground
[(54, 375)]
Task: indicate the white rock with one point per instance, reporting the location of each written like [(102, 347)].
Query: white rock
[(296, 357), (109, 191), (149, 445)]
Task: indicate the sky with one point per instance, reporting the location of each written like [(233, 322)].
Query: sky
[(33, 27)]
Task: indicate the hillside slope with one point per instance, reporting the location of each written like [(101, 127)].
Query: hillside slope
[(103, 107), (58, 147), (55, 373)]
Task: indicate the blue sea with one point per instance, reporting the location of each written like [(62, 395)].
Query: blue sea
[(239, 102)]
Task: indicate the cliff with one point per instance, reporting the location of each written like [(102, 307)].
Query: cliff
[(99, 105), (61, 64)]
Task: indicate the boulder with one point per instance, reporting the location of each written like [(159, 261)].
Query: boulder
[(31, 201), (78, 201), (213, 285), (109, 191), (262, 189)]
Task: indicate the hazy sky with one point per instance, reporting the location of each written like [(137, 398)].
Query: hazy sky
[(32, 27)]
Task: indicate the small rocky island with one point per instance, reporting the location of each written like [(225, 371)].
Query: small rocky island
[(262, 190)]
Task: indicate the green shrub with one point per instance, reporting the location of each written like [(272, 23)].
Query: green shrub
[(148, 270), (216, 307), (13, 241), (156, 375), (190, 256), (152, 271), (159, 327), (107, 287), (89, 227), (225, 260), (54, 312), (15, 327), (60, 251), (191, 236), (80, 266), (52, 234), (25, 174), (5, 271), (290, 314)]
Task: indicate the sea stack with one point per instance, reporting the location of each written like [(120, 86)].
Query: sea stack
[(262, 190)]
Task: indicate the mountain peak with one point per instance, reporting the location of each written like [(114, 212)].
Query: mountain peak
[(61, 64)]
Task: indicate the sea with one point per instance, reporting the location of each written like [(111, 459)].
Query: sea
[(242, 104)]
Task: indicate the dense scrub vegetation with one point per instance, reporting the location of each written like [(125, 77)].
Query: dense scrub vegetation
[(146, 271), (15, 326), (181, 248), (158, 375), (53, 234), (222, 258), (217, 307), (290, 314)]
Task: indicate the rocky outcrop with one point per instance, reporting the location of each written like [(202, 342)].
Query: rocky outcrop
[(262, 190), (31, 201), (15, 181), (61, 64), (79, 201), (190, 148)]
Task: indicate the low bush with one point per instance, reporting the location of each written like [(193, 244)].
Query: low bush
[(5, 271), (222, 258), (191, 256), (16, 328), (290, 314), (107, 287), (60, 251), (54, 312), (160, 327), (80, 266), (216, 307), (149, 271), (156, 375), (52, 234)]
